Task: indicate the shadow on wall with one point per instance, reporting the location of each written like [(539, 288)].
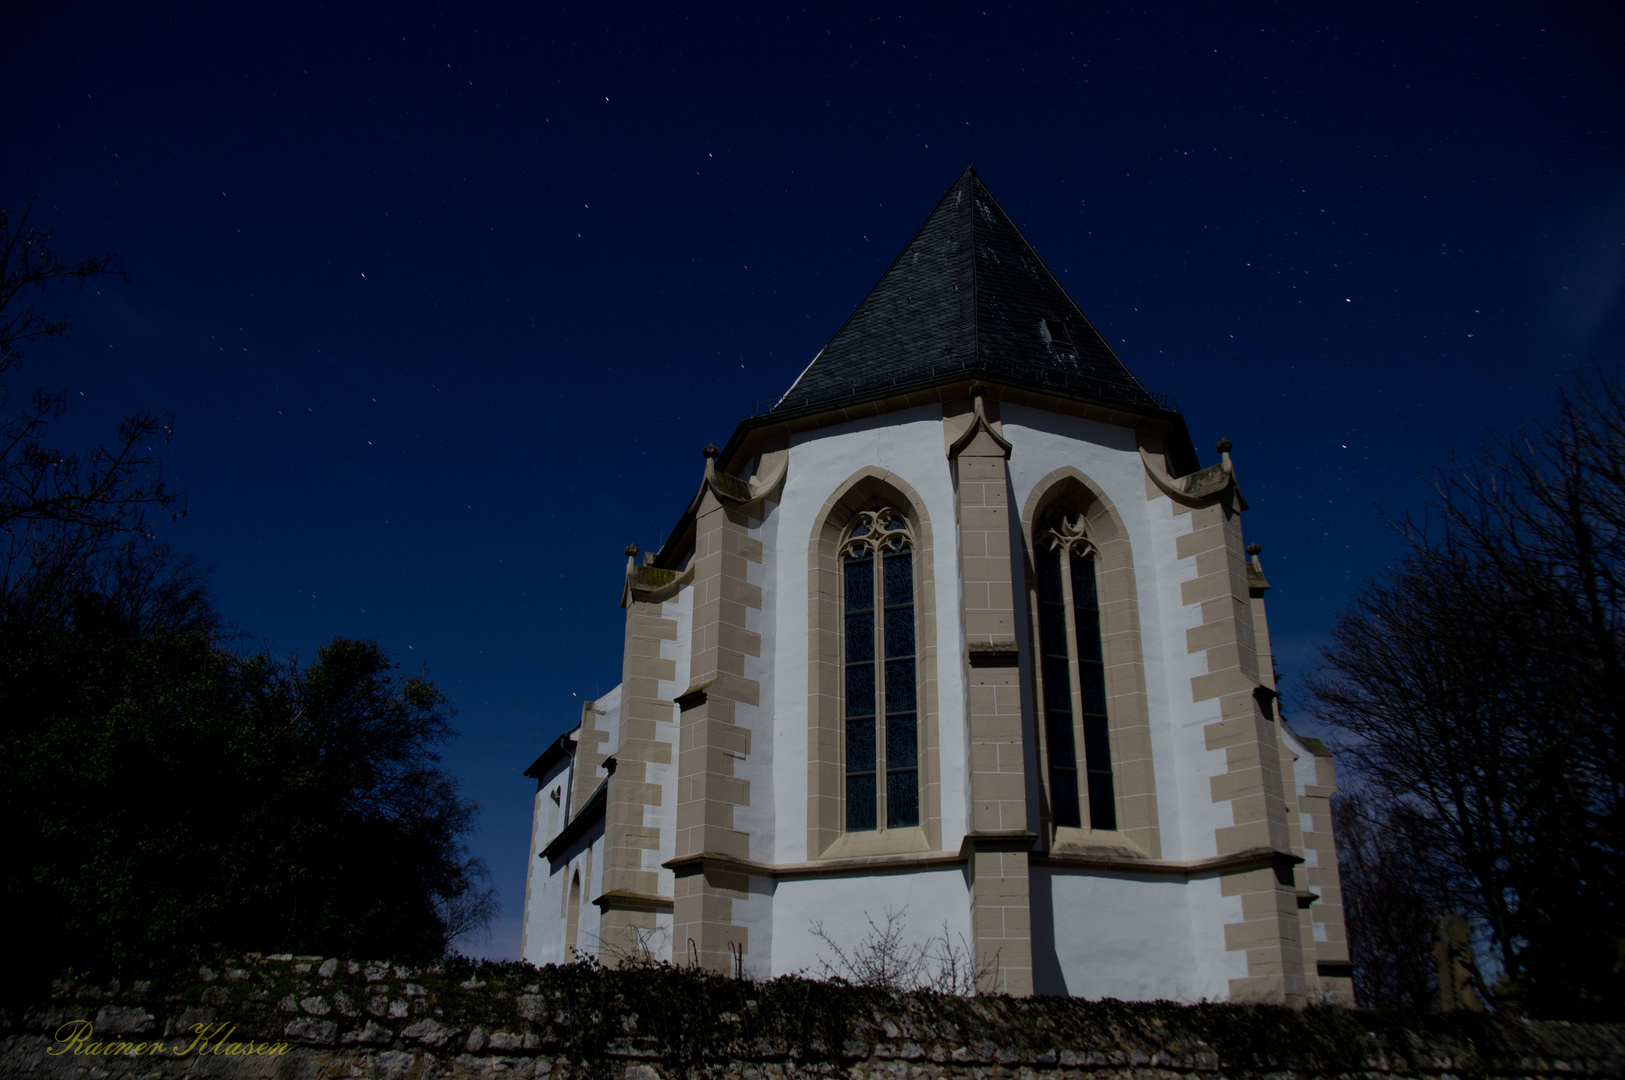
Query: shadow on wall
[(1047, 975)]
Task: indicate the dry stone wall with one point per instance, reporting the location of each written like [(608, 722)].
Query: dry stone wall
[(314, 1017)]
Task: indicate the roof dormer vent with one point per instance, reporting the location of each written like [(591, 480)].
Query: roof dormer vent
[(1055, 335)]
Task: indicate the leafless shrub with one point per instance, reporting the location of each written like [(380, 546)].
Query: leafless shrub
[(643, 950), (885, 959)]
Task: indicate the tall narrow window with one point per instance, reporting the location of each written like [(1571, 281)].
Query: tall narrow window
[(1074, 674), (882, 713), (572, 916)]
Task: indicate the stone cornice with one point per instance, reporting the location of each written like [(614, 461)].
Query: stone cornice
[(617, 900), (1250, 859), (592, 812)]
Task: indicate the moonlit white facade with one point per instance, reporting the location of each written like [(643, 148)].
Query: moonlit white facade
[(699, 812)]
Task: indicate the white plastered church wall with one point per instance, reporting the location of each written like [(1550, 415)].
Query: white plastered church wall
[(1190, 833), (909, 446), (1133, 944), (1190, 914), (1138, 928), (843, 907), (543, 933)]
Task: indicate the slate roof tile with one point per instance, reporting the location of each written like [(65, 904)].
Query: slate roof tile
[(967, 298)]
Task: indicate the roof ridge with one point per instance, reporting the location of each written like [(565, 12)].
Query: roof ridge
[(975, 270), (915, 235)]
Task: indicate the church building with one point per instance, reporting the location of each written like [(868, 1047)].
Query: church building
[(960, 634)]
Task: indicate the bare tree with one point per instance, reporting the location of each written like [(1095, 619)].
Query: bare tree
[(60, 510), (1478, 686), (467, 915), (1388, 918)]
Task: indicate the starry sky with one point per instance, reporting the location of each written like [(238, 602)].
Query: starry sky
[(446, 299)]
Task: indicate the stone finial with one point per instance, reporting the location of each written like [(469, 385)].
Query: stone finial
[(1254, 549), (978, 390), (709, 451), (1224, 446), (631, 550)]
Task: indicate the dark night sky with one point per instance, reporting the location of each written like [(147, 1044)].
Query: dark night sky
[(446, 301)]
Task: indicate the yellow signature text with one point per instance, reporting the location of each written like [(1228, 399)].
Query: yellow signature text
[(77, 1037)]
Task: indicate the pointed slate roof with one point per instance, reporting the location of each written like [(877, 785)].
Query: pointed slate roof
[(967, 298)]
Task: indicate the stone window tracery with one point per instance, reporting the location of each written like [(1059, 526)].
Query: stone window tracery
[(880, 682), (1073, 674)]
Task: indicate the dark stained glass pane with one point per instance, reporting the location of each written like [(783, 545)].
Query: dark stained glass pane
[(1097, 750), (860, 802), (860, 584), (1063, 770), (899, 578), (899, 632), (1083, 580), (900, 686), (902, 742), (1058, 730), (1057, 684), (1102, 807), (902, 799), (1088, 643), (1057, 669), (1049, 576), (1096, 743), (1092, 687), (1063, 793), (1085, 611), (860, 636), (860, 689), (860, 746), (1052, 628)]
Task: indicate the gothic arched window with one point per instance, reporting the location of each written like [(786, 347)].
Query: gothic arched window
[(1074, 674), (881, 684)]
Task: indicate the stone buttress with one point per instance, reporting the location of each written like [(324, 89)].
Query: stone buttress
[(999, 839), (712, 857), (631, 901), (1245, 731)]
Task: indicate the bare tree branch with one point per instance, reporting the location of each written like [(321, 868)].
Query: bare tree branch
[(61, 511), (27, 263), (1479, 687)]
